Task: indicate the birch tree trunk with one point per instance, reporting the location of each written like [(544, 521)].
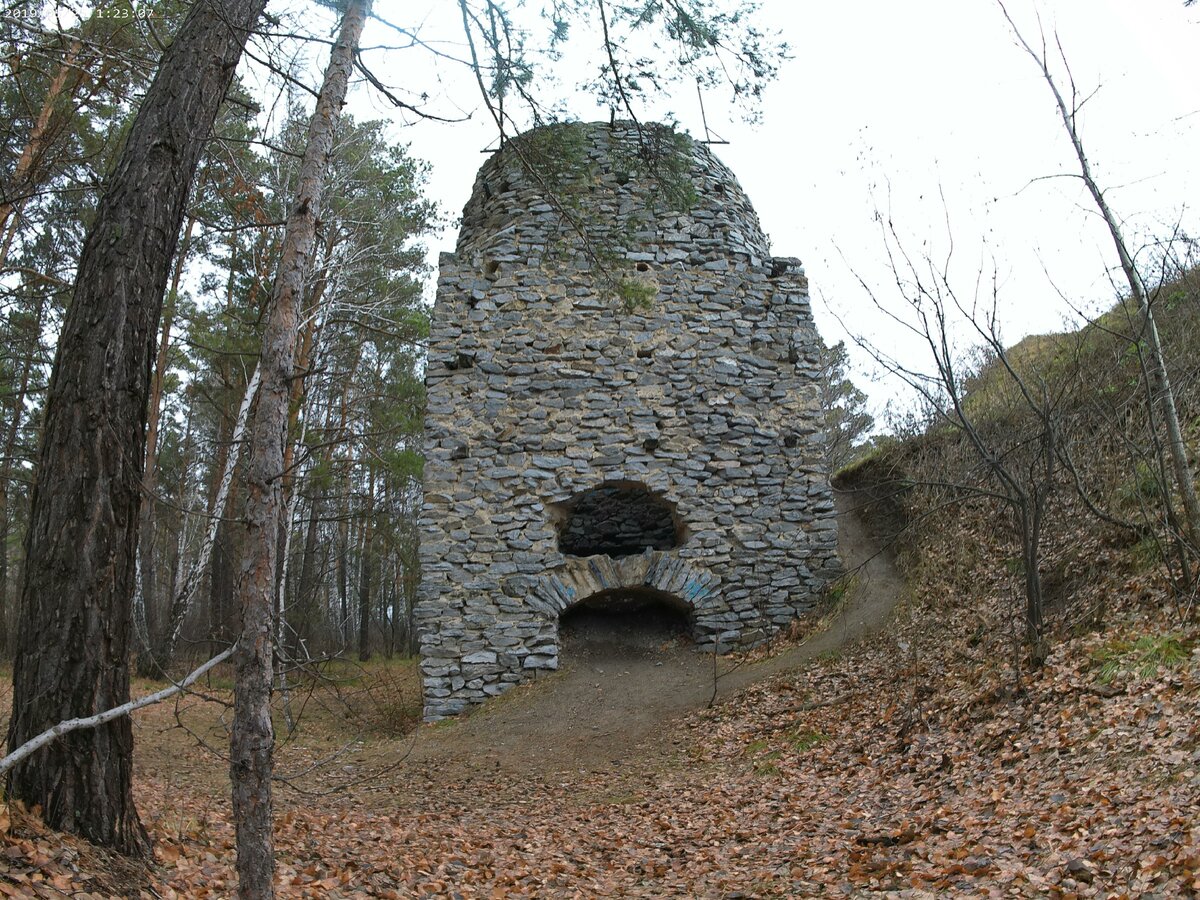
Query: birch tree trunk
[(183, 598), (364, 574), (78, 582), (252, 738)]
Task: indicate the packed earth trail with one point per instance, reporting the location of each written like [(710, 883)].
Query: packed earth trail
[(625, 677), (604, 728)]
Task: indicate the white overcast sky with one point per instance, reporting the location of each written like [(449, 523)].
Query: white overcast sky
[(902, 103)]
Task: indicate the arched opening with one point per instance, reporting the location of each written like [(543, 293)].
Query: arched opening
[(616, 519), (627, 621)]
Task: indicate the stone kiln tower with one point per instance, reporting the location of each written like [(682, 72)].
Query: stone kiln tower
[(617, 421)]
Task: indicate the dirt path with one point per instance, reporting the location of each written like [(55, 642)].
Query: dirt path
[(619, 684)]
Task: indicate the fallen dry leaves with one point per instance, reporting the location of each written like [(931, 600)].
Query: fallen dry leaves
[(945, 770)]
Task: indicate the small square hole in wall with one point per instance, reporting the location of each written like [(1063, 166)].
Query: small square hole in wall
[(460, 360)]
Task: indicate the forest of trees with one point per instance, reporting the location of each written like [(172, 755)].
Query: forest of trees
[(210, 363), (354, 458), (128, 448), (211, 349)]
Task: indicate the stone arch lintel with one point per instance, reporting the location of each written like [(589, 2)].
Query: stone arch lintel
[(580, 578)]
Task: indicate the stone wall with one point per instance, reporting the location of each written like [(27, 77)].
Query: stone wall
[(676, 441)]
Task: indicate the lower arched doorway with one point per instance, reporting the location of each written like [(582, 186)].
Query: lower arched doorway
[(625, 622)]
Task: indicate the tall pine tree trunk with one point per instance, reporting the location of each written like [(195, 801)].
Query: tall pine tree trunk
[(307, 589), (73, 646), (343, 542), (9, 457), (146, 534), (25, 173), (252, 739), (343, 579)]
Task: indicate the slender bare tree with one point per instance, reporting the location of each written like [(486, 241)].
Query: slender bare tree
[(253, 738), (1020, 467), (1162, 394)]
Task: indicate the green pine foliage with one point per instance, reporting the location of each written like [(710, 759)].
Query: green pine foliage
[(843, 407)]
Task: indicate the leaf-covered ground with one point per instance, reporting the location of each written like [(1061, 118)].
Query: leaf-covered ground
[(925, 762)]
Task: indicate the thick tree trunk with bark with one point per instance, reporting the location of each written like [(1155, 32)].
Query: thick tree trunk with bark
[(252, 738), (73, 648)]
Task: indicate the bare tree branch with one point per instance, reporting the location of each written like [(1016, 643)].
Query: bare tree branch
[(52, 734)]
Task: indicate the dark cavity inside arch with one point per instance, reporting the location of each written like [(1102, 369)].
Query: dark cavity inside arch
[(617, 519), (629, 600), (622, 615)]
